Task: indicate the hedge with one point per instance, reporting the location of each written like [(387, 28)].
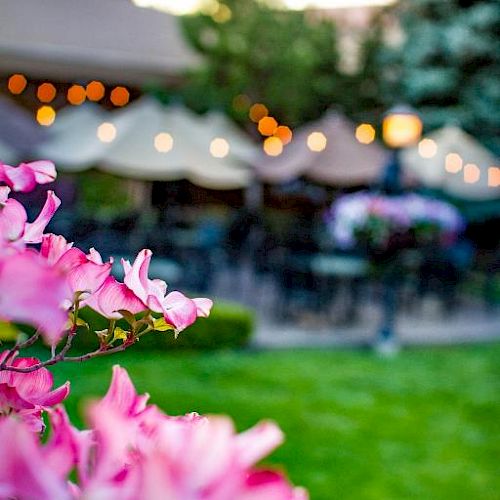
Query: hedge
[(229, 325)]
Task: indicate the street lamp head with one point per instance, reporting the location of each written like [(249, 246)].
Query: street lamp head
[(401, 127)]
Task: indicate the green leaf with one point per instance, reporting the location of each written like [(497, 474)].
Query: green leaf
[(160, 325), (8, 331), (119, 334), (128, 316)]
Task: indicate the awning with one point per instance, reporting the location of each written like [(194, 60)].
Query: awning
[(72, 40)]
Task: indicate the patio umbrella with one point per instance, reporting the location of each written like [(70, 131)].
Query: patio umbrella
[(343, 162), (458, 158), (141, 152), (111, 40), (73, 143)]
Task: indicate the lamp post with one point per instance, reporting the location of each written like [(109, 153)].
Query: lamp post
[(401, 127)]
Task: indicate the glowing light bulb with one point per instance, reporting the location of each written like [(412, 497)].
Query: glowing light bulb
[(219, 148), (45, 116), (273, 146), (472, 173), (163, 142), (427, 148), (17, 83), (453, 163), (365, 133)]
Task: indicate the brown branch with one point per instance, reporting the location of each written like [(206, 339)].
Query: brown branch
[(61, 357)]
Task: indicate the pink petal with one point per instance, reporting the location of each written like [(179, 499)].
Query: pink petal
[(54, 247), (54, 397), (34, 230), (12, 220), (44, 171), (21, 178), (137, 276), (122, 395), (269, 485), (112, 297), (4, 193), (257, 442), (31, 384), (10, 398), (88, 277), (203, 307), (179, 311)]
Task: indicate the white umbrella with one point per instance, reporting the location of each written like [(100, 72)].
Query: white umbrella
[(141, 152), (455, 158)]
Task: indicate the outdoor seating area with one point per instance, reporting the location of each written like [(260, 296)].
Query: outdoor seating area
[(249, 249)]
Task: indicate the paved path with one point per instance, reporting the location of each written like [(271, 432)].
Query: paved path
[(425, 323)]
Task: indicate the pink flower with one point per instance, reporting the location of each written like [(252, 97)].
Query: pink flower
[(24, 472), (86, 273), (177, 309), (33, 292), (26, 176), (14, 228), (27, 394)]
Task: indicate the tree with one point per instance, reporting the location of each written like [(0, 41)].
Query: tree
[(284, 59), (448, 64)]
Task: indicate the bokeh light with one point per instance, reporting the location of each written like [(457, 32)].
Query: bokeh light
[(163, 142), (76, 95), (219, 148), (257, 112), (45, 116), (400, 130), (453, 163), (472, 173), (365, 133), (427, 148), (120, 96), (17, 83), (494, 177), (284, 133), (106, 132), (267, 125), (241, 103), (95, 91), (46, 92), (273, 146), (317, 141), (223, 14)]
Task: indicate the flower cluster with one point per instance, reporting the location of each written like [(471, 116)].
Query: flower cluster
[(41, 287), (132, 450), (374, 218)]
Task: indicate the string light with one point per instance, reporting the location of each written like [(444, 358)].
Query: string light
[(257, 112), (273, 146), (365, 133), (120, 96), (472, 173), (219, 148), (17, 83), (106, 132), (427, 148), (267, 125), (453, 163), (163, 142), (95, 91), (45, 116), (494, 177), (316, 141), (284, 134), (46, 92), (76, 95)]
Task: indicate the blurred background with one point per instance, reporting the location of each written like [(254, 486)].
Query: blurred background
[(328, 171)]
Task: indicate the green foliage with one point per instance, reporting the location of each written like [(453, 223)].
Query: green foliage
[(279, 57), (448, 65), (422, 425), (228, 326), (102, 194)]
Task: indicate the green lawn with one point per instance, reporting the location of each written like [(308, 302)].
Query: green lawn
[(423, 425)]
